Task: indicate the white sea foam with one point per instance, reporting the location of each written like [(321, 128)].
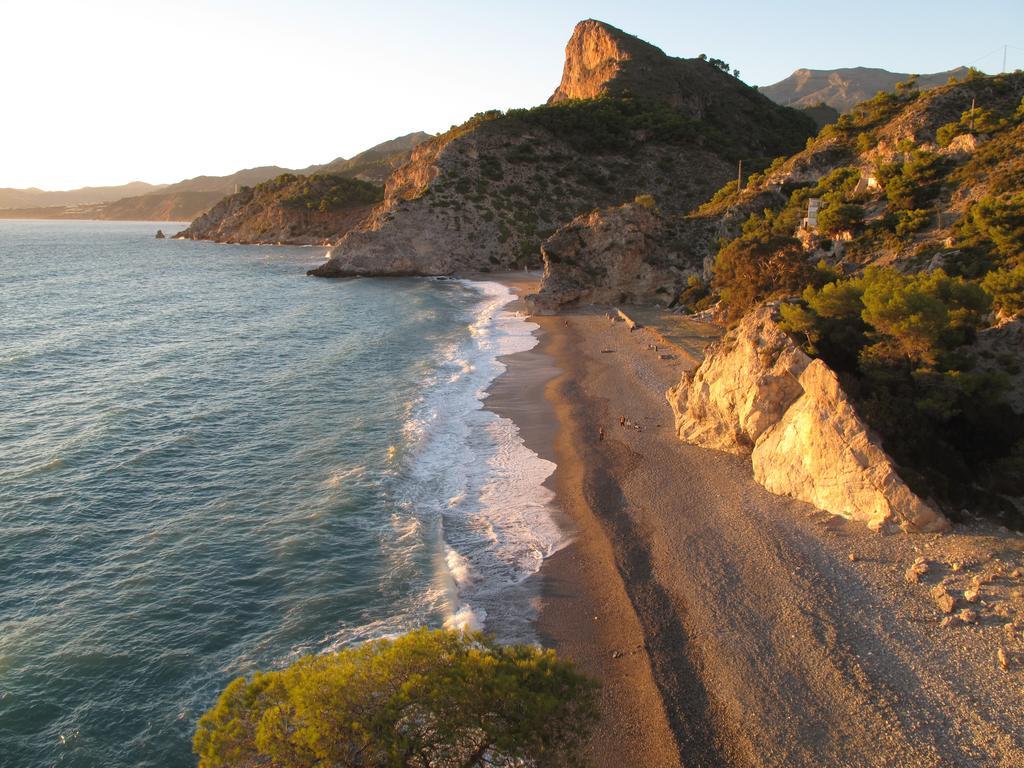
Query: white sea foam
[(471, 471)]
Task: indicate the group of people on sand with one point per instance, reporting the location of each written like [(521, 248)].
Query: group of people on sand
[(624, 423)]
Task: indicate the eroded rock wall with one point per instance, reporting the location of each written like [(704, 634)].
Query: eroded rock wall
[(756, 392), (744, 385), (821, 452)]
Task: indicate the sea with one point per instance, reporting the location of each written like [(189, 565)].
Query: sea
[(212, 464)]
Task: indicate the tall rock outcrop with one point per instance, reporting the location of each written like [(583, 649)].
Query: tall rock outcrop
[(821, 452), (613, 255), (757, 393), (744, 385), (484, 195), (595, 57)]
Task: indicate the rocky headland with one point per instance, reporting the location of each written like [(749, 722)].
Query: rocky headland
[(290, 209), (626, 120)]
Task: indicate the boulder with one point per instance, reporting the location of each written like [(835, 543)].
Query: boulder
[(821, 452), (744, 385)]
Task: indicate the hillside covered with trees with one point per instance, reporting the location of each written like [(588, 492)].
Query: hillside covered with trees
[(910, 282)]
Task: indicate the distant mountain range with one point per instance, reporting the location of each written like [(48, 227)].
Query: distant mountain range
[(35, 198), (842, 89), (186, 199)]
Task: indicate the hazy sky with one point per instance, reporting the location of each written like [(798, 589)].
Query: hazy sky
[(97, 92)]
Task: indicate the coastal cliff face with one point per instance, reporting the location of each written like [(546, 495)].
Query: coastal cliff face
[(614, 255), (757, 393), (486, 197), (291, 209), (626, 120)]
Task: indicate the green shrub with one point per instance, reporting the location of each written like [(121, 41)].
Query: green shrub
[(996, 225), (425, 700), (1006, 287), (914, 182), (914, 220), (840, 217), (748, 271), (322, 191)]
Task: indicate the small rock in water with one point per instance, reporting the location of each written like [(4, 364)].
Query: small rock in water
[(159, 234), (945, 601)]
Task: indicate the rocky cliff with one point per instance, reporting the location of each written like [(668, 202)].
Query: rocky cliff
[(488, 192), (618, 255), (821, 452), (744, 385), (757, 393)]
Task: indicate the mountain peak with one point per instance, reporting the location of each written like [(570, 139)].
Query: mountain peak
[(594, 57)]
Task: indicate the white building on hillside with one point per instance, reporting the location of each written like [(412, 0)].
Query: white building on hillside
[(811, 220)]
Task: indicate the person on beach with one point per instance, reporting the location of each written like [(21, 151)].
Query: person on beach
[(622, 421), (600, 433)]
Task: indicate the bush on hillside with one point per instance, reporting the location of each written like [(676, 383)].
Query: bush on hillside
[(1006, 287), (429, 699), (995, 226), (321, 191), (840, 217), (914, 182)]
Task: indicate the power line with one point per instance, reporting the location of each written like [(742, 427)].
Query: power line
[(994, 50)]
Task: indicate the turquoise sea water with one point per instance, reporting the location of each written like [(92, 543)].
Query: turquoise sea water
[(211, 464)]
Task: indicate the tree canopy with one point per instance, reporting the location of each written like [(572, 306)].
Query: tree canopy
[(429, 699)]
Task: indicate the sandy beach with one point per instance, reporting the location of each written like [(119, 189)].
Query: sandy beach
[(729, 626)]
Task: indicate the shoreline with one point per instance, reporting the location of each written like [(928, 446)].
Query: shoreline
[(584, 611), (732, 627)]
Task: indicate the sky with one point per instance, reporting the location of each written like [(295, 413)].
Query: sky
[(98, 92)]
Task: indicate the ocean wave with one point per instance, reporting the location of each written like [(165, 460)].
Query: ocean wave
[(467, 469)]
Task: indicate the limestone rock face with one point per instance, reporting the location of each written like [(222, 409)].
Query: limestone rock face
[(593, 57), (756, 392), (744, 385), (821, 452), (608, 256)]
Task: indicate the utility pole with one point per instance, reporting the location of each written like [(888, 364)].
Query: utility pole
[(739, 179), (972, 113), (1004, 59)]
